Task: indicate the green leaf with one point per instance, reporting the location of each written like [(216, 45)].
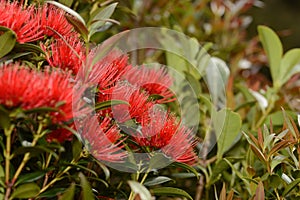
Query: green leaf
[(217, 73), (68, 10), (183, 175), (139, 189), (227, 125), (186, 167), (7, 42), (159, 160), (27, 47), (288, 62), (30, 177), (76, 149), (108, 104), (221, 166), (273, 47), (28, 190), (79, 27), (290, 187), (170, 191), (157, 180), (52, 192), (86, 188), (69, 194), (100, 19)]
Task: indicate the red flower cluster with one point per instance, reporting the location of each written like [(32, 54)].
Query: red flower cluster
[(103, 139), (28, 89), (67, 54), (138, 103), (161, 131), (31, 24), (22, 21), (112, 77), (154, 81)]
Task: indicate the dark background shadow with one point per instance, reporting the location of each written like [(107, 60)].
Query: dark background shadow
[(281, 15)]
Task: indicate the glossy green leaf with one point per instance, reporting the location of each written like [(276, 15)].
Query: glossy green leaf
[(290, 187), (79, 27), (100, 18), (30, 177), (273, 47), (7, 42), (108, 104), (28, 190), (139, 189), (52, 192), (13, 56), (27, 47), (170, 191), (157, 180), (288, 62), (159, 160), (68, 10), (69, 194), (76, 149), (227, 125), (216, 77), (86, 188), (186, 167)]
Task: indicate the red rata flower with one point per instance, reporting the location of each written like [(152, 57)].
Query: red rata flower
[(154, 81), (102, 139), (67, 54), (138, 103), (54, 22), (21, 87), (106, 71), (22, 21), (161, 131)]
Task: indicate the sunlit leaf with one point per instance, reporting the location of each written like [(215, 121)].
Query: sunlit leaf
[(100, 19), (139, 189), (273, 47), (288, 62), (227, 125), (30, 177), (68, 10), (7, 42), (157, 180)]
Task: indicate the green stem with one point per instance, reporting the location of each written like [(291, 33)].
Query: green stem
[(8, 157), (27, 155), (7, 153), (58, 177)]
